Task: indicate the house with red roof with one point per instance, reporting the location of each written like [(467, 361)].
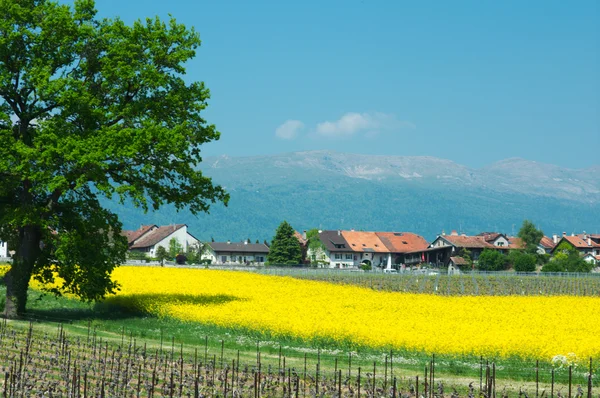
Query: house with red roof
[(148, 238)]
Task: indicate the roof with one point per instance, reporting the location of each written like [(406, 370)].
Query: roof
[(359, 241), (300, 238), (458, 260), (134, 235), (547, 242), (332, 238), (467, 241), (579, 242), (156, 235), (402, 242), (515, 243), (239, 247)]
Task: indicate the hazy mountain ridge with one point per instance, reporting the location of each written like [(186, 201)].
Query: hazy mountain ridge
[(425, 195), (510, 175)]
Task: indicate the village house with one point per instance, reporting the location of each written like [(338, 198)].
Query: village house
[(236, 253), (351, 249), (588, 245), (148, 238), (454, 245), (547, 244)]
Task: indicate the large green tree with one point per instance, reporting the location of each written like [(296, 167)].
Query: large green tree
[(530, 235), (491, 260), (91, 108), (285, 248)]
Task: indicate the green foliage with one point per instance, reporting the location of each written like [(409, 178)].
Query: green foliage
[(564, 246), (285, 248), (366, 266), (175, 248), (466, 255), (161, 254), (522, 261), (569, 261), (491, 260), (92, 108), (137, 255), (530, 235)]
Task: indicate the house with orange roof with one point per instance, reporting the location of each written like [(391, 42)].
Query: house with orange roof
[(351, 249), (588, 245)]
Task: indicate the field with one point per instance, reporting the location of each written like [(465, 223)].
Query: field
[(286, 325)]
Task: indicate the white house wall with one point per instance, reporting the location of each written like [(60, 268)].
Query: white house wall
[(3, 249), (234, 258), (181, 235)]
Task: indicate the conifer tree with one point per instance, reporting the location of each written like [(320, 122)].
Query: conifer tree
[(285, 247)]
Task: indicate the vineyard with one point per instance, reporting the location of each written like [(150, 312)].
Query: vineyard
[(465, 284), (52, 363)]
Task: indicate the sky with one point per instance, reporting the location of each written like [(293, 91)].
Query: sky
[(470, 81)]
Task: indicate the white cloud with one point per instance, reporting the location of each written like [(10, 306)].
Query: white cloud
[(289, 130), (369, 123)]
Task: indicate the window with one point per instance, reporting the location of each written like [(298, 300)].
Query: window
[(338, 256), (348, 256), (500, 244), (223, 259)]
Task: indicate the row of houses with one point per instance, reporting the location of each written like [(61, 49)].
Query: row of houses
[(351, 249)]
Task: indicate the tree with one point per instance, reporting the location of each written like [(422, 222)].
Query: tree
[(315, 245), (466, 255), (522, 261), (161, 255), (491, 260), (91, 108), (567, 261), (285, 247), (530, 235), (175, 247)]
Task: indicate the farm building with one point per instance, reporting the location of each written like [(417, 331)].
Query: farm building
[(148, 238), (236, 253)]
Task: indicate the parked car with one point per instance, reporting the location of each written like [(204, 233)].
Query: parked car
[(390, 271)]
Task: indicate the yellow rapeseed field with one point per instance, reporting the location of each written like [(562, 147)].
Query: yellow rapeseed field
[(529, 327), (526, 326)]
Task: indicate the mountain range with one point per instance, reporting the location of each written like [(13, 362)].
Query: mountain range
[(425, 195)]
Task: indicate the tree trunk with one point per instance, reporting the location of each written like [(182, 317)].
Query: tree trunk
[(17, 279)]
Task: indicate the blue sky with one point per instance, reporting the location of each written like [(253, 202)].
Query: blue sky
[(470, 81)]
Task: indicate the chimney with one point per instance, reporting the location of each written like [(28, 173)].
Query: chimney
[(304, 234), (463, 234), (589, 241), (572, 233), (584, 235), (555, 238), (228, 242), (443, 233), (454, 233), (320, 231), (246, 242), (339, 232), (564, 234)]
